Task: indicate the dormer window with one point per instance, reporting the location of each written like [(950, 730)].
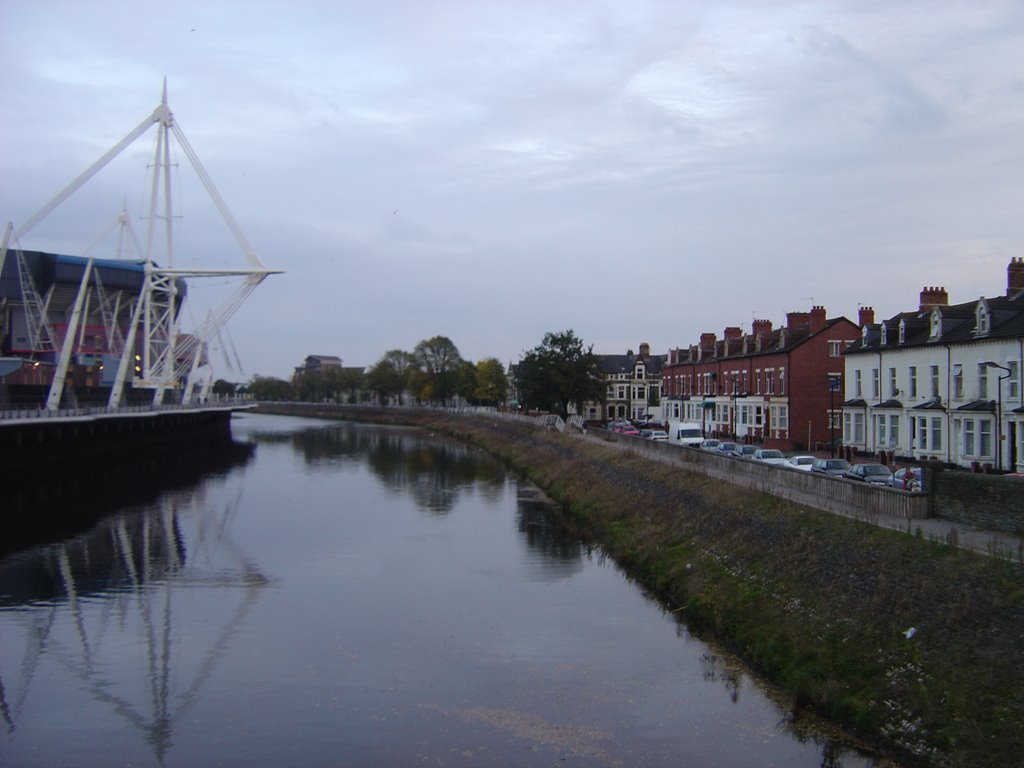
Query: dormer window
[(982, 319), (864, 336), (935, 324), (903, 331), (885, 334)]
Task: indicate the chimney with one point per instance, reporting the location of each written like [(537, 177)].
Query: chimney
[(645, 349), (933, 297), (865, 316), (1015, 276), (761, 327), (707, 341), (732, 332), (818, 319), (795, 320)]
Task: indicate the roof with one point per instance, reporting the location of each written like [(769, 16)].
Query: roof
[(957, 325), (784, 339), (611, 364)]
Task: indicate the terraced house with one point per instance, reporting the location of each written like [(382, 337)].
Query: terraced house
[(770, 386), (942, 382)]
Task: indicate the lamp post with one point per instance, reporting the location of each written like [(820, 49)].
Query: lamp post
[(833, 385), (999, 410)]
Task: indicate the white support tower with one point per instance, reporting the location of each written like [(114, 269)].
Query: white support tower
[(153, 353)]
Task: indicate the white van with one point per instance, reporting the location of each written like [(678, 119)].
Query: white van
[(685, 433)]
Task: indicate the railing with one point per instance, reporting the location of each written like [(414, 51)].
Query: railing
[(25, 414)]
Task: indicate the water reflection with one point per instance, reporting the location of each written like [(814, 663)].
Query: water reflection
[(86, 602), (433, 470)]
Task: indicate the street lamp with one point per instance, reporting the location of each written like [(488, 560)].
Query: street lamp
[(999, 410)]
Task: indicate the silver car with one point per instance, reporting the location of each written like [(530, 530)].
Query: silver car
[(834, 467)]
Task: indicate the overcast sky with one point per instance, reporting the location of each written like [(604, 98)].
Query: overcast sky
[(490, 171)]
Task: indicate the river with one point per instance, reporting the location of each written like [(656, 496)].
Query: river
[(350, 595)]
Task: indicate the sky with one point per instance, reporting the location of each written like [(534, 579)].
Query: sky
[(636, 171)]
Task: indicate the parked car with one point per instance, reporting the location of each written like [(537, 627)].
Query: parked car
[(744, 451), (800, 462), (834, 467), (726, 448), (916, 483), (876, 474), (769, 456), (711, 444), (629, 430), (658, 434)]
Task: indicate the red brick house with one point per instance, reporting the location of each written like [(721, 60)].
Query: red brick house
[(770, 386)]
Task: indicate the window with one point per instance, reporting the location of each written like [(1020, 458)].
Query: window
[(935, 381), (912, 377), (782, 381), (958, 382), (903, 331), (936, 433), (935, 324), (982, 381), (769, 380), (922, 434), (981, 319), (856, 383), (874, 383), (757, 381), (882, 424), (884, 340), (858, 428), (893, 389), (984, 437), (894, 431), (1013, 381), (969, 437), (834, 419), (779, 418), (834, 348)]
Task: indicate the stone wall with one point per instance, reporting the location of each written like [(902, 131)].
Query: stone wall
[(991, 502)]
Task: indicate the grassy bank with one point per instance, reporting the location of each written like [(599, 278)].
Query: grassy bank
[(822, 605)]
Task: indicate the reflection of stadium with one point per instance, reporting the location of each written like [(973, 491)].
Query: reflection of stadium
[(127, 584), (81, 330)]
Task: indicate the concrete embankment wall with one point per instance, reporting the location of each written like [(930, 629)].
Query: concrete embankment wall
[(843, 497), (29, 445)]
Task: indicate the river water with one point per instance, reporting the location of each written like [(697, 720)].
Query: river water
[(342, 595)]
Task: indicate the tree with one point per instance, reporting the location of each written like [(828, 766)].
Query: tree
[(388, 378), (491, 383), (466, 382), (438, 359), (559, 371), (223, 387), (269, 388)]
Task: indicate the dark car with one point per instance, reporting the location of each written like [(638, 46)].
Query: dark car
[(726, 448), (744, 451), (877, 474), (834, 467)]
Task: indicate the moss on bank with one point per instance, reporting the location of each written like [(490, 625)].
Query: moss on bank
[(822, 605)]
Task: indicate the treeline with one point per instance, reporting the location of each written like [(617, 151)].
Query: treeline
[(433, 372), (558, 373)]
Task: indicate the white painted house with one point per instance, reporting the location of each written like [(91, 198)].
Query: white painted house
[(942, 382)]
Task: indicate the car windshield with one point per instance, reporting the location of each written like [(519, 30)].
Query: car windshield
[(803, 460), (876, 470), (837, 464), (771, 454)]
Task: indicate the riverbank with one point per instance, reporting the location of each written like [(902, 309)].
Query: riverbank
[(912, 644)]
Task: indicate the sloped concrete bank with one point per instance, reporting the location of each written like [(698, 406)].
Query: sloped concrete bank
[(914, 645)]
